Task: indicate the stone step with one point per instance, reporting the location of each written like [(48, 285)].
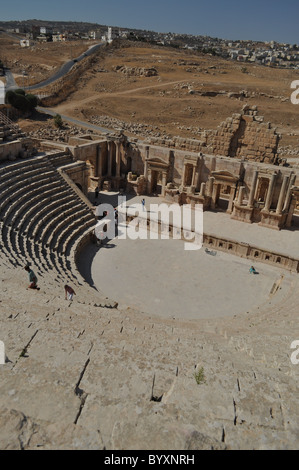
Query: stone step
[(24, 193), (70, 221), (52, 219), (36, 204), (51, 194), (20, 174)]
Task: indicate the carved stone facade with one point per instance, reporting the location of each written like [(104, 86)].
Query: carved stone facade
[(248, 190)]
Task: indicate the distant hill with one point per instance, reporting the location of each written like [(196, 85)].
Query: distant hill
[(26, 25)]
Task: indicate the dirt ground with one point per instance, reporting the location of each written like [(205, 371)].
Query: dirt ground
[(171, 100), (39, 61)]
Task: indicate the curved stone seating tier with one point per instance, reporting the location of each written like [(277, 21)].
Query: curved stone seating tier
[(24, 191), (7, 248), (60, 158), (71, 231), (72, 245), (35, 208), (47, 212), (53, 225), (70, 220), (14, 184), (13, 212), (9, 167), (41, 217), (20, 174)]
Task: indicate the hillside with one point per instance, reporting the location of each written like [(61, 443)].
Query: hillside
[(168, 91)]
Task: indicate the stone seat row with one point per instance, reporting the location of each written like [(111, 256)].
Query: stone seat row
[(23, 165), (60, 158), (52, 255), (15, 170), (42, 219), (23, 190)]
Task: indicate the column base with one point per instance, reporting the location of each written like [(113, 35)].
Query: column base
[(272, 220), (242, 213)]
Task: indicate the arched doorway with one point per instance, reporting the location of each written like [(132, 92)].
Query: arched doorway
[(157, 176), (223, 192)]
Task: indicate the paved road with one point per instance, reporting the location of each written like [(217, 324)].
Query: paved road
[(10, 82), (74, 121)]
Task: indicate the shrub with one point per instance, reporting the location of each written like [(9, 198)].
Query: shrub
[(20, 91), (58, 121), (200, 376), (21, 103), (33, 100), (20, 100), (10, 97)]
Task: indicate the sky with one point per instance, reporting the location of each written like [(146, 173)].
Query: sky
[(264, 20)]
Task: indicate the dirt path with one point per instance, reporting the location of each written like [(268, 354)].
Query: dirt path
[(77, 103)]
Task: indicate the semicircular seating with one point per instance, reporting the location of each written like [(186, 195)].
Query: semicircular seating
[(42, 219)]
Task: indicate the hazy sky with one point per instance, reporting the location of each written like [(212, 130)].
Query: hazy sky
[(264, 20)]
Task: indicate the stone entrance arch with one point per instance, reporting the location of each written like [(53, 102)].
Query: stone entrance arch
[(190, 172), (223, 182), (157, 174)]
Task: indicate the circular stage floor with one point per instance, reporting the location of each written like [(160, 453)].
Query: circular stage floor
[(159, 277)]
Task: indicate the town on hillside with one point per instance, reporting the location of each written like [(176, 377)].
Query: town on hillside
[(269, 53)]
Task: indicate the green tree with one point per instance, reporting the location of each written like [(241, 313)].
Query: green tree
[(21, 103), (10, 97), (20, 91), (58, 121), (20, 100), (33, 100)]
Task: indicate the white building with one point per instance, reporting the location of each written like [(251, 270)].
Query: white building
[(113, 33), (26, 42), (95, 35)]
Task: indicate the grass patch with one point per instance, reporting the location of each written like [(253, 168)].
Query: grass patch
[(200, 376)]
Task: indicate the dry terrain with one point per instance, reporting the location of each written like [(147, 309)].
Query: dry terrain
[(39, 61), (173, 92)]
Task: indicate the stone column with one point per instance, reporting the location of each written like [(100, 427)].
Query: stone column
[(270, 192), (193, 175), (289, 193), (210, 185), (282, 195), (99, 162), (252, 190), (241, 195), (184, 175), (146, 162), (149, 182), (213, 164), (164, 181), (202, 189), (109, 158), (118, 159), (231, 199), (291, 208)]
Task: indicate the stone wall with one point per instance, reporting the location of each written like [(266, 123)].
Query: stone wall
[(245, 136)]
